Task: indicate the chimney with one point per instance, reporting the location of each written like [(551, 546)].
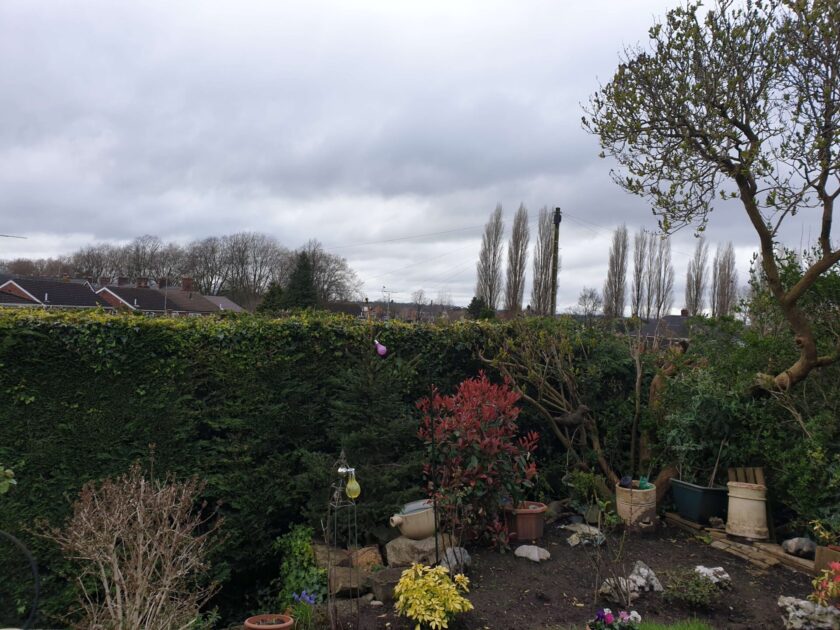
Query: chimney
[(186, 284), (142, 283), (122, 281), (104, 281), (684, 312), (162, 283)]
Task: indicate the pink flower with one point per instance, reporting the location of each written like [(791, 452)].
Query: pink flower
[(624, 615), (609, 617)]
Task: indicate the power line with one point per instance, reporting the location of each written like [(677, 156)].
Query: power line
[(11, 236), (405, 238)]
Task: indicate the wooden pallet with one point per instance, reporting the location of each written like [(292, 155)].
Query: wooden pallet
[(791, 562), (761, 554), (747, 475)]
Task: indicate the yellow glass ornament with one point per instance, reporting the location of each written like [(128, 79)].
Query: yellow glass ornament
[(353, 489)]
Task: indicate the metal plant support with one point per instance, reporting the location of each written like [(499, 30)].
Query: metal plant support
[(342, 509)]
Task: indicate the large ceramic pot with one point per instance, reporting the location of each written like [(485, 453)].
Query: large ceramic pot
[(416, 520), (747, 513), (699, 503), (269, 622), (634, 505)]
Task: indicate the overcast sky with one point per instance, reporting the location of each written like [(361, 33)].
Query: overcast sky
[(351, 122)]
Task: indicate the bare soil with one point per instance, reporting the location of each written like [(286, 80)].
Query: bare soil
[(515, 593)]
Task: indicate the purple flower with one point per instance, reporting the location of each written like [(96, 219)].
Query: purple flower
[(600, 616)]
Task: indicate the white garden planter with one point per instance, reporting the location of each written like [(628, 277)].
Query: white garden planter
[(747, 513), (634, 505)]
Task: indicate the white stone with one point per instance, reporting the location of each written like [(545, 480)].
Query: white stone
[(532, 552), (800, 614), (643, 579), (715, 575), (585, 534), (375, 603)]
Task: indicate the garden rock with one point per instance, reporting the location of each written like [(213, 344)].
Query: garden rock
[(366, 558), (716, 522), (326, 555), (585, 534), (383, 583), (532, 552), (643, 579), (348, 581), (715, 575), (802, 547), (404, 551), (800, 614), (456, 559), (618, 591), (375, 603)]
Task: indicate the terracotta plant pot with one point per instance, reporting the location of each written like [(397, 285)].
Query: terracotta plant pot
[(530, 519), (269, 622), (825, 556)]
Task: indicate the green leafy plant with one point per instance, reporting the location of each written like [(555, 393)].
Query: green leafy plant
[(692, 590), (827, 586), (7, 479), (429, 597), (299, 575)]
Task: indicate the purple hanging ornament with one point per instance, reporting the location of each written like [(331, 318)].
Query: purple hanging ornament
[(380, 349)]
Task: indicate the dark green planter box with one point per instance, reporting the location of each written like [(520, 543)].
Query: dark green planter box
[(698, 503)]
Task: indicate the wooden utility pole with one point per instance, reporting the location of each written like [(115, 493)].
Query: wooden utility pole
[(558, 216)]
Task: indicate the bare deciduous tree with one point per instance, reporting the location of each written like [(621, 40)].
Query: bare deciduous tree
[(489, 266), (142, 549), (517, 261), (334, 279), (663, 278), (206, 263), (641, 244), (589, 304), (696, 279), (419, 300), (615, 286), (724, 281), (541, 288)]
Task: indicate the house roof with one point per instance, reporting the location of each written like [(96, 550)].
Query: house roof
[(667, 327), (190, 301), (56, 292), (224, 304), (13, 300), (140, 299)]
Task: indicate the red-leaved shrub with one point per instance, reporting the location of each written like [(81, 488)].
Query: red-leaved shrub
[(477, 460)]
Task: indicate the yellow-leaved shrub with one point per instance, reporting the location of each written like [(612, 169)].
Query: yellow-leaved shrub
[(429, 597)]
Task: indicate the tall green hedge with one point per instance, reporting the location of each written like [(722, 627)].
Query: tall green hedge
[(258, 408)]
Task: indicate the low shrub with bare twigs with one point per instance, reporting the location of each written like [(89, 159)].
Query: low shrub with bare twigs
[(141, 547)]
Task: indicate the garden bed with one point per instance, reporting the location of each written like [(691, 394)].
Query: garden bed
[(514, 593)]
